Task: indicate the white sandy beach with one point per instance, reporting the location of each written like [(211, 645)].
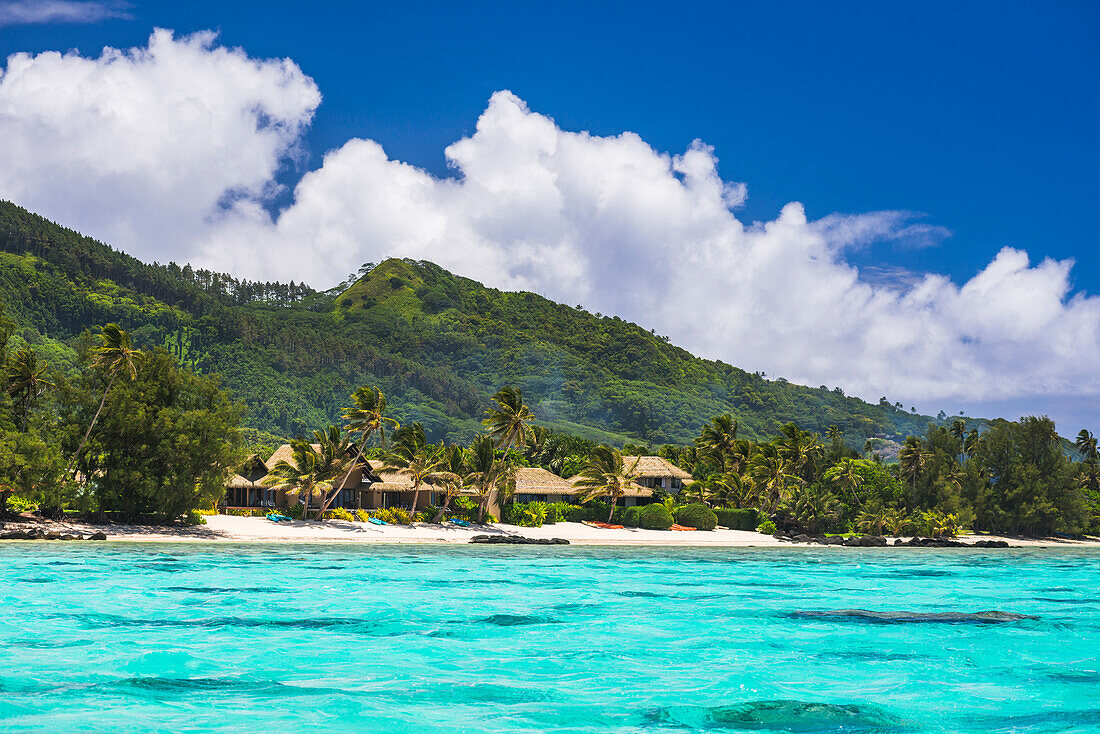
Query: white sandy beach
[(224, 528)]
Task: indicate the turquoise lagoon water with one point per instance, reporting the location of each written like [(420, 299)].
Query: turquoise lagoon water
[(296, 638)]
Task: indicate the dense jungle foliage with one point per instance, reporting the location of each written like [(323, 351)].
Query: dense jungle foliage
[(436, 343)]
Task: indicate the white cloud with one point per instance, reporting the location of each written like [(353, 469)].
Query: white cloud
[(28, 12), (182, 141), (139, 147)]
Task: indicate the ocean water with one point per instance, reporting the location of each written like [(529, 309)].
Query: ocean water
[(335, 638)]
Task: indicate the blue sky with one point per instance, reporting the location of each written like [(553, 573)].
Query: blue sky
[(945, 150), (981, 115)]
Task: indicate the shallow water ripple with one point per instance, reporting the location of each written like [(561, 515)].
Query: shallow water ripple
[(337, 638)]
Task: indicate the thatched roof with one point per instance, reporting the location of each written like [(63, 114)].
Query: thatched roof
[(236, 481), (634, 490), (286, 453), (389, 476), (540, 481), (654, 466)]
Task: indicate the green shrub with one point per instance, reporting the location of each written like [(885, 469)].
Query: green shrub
[(400, 516), (536, 513), (208, 511), (555, 513), (362, 515), (338, 513), (194, 517), (527, 515), (21, 504), (738, 518), (630, 516), (655, 517), (697, 516), (294, 512), (767, 527)]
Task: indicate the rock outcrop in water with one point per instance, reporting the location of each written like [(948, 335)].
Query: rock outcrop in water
[(867, 615), (516, 540)]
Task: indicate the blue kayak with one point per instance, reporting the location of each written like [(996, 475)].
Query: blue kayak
[(276, 517), (376, 521), (460, 523)]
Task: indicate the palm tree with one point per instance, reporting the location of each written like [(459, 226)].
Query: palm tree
[(336, 449), (719, 438), (115, 355), (958, 429), (914, 459), (799, 449), (844, 475), (451, 476), (1088, 474), (970, 445), (1086, 445), (875, 520), (814, 509), (367, 415), (769, 473), (313, 469), (364, 418), (509, 423), (413, 456), (605, 476), (26, 381), (732, 491)]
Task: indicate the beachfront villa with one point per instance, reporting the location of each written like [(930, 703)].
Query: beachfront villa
[(371, 485), (653, 472)]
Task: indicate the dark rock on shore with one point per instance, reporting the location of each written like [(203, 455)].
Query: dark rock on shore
[(516, 540), (878, 541), (40, 534)]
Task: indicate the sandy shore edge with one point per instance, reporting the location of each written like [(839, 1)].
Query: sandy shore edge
[(223, 528)]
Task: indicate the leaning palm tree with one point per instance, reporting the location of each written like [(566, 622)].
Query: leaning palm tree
[(452, 477), (414, 457), (334, 446), (26, 381), (606, 476), (312, 469), (364, 418), (509, 424), (115, 355), (482, 476)]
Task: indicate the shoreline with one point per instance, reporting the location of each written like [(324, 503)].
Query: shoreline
[(231, 529)]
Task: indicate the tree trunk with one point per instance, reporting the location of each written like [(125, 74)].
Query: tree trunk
[(614, 504), (339, 487), (76, 456), (416, 501), (442, 510)]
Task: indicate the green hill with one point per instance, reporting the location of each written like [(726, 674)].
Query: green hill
[(438, 344)]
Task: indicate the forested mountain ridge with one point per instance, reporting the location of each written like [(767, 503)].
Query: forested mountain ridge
[(438, 344)]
